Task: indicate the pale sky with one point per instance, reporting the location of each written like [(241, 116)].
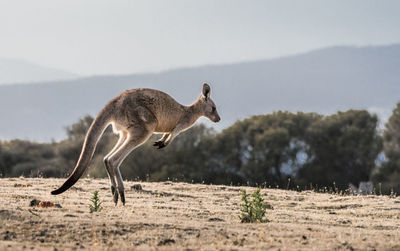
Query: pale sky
[(111, 37)]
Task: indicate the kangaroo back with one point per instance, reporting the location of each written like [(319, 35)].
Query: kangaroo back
[(93, 135)]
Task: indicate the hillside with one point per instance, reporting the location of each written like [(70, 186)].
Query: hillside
[(20, 71), (323, 81), (171, 216)]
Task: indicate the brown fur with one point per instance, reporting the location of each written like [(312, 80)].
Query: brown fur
[(135, 115)]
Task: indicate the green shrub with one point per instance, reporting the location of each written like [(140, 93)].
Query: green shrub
[(95, 205), (254, 210)]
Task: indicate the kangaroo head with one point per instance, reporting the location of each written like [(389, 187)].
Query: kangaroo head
[(208, 107)]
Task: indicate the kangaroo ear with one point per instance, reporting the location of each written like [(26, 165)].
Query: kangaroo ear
[(206, 91)]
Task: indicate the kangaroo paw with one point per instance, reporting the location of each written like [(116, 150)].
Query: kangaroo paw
[(160, 144)]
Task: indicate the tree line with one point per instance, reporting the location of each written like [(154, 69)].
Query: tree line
[(282, 149)]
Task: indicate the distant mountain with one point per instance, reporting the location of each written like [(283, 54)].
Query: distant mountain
[(19, 71), (323, 81)]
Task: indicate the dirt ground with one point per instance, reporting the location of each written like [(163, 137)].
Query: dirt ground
[(171, 216)]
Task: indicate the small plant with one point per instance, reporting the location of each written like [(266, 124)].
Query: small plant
[(254, 210), (95, 205)]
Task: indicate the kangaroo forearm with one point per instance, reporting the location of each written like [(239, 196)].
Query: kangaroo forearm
[(175, 132), (164, 137)]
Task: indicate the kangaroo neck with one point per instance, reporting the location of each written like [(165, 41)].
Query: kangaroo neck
[(194, 111)]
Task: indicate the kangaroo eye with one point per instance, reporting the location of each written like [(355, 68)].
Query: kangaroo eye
[(213, 108)]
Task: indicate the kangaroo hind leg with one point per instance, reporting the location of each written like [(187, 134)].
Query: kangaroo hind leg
[(119, 155), (111, 173)]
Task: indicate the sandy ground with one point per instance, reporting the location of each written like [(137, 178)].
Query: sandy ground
[(170, 216)]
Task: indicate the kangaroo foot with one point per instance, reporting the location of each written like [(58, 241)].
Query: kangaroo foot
[(114, 194), (122, 195)]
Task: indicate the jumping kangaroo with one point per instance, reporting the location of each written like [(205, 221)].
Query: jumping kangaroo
[(135, 115)]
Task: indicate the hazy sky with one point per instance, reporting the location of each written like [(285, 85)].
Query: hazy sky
[(103, 37)]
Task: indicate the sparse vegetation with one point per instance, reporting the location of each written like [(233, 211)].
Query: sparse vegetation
[(253, 210), (95, 205)]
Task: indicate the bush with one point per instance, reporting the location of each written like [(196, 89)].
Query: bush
[(254, 210), (96, 203)]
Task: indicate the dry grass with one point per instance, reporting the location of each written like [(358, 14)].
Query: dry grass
[(186, 216)]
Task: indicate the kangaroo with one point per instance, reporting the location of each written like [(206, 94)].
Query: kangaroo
[(135, 115)]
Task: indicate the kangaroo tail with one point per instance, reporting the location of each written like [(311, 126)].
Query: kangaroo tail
[(93, 135)]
